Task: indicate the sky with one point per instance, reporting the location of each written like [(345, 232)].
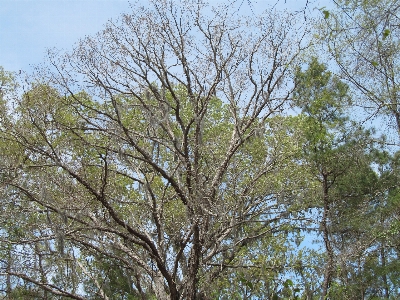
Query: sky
[(29, 27)]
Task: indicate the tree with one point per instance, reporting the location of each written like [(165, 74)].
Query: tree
[(352, 177), (144, 149), (335, 152), (363, 39)]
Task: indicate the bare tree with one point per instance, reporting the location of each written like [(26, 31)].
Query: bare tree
[(144, 149)]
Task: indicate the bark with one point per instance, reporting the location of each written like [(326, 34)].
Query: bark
[(8, 278), (328, 245), (159, 288), (194, 265), (384, 277)]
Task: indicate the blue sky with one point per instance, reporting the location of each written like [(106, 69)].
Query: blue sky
[(29, 27)]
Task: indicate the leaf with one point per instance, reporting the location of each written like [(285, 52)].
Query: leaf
[(374, 63), (288, 283), (246, 282), (385, 34), (275, 297), (326, 14)]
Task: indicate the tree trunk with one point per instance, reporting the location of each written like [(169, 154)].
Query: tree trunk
[(328, 246), (194, 262), (159, 289), (8, 280), (384, 277)]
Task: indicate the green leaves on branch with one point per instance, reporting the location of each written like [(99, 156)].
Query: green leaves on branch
[(326, 14), (385, 34)]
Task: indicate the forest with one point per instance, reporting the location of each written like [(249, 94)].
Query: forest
[(189, 151)]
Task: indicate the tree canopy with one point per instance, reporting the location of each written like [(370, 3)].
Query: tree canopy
[(188, 152)]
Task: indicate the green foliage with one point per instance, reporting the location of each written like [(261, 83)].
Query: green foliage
[(165, 187), (326, 13)]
